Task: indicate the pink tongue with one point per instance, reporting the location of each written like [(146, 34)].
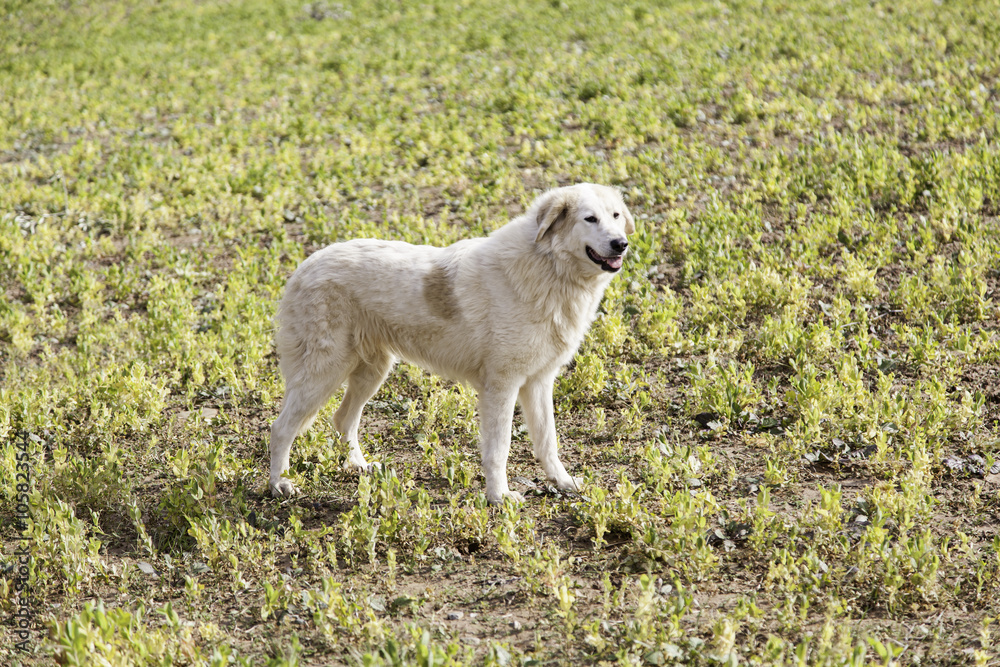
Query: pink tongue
[(614, 262)]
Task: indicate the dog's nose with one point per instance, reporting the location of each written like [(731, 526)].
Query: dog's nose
[(619, 245)]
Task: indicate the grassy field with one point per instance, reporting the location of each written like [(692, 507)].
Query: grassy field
[(787, 413)]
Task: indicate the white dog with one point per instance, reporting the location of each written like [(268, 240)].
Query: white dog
[(502, 313)]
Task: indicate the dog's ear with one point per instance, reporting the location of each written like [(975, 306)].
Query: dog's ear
[(629, 223), (552, 208)]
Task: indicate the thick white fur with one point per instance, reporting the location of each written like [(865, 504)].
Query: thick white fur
[(502, 313)]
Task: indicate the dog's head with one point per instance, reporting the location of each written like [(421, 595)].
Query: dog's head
[(586, 223)]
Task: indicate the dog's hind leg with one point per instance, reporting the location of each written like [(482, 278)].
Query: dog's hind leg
[(362, 384), (307, 389), (536, 406)]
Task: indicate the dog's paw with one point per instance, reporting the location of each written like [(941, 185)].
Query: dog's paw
[(363, 468), (497, 499), (282, 488), (568, 483)]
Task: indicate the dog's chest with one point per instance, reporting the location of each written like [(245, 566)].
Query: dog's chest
[(558, 337)]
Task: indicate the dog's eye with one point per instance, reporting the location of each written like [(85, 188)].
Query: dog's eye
[(616, 216), (591, 218)]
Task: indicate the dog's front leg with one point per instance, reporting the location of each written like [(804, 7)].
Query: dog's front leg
[(496, 412), (536, 405)]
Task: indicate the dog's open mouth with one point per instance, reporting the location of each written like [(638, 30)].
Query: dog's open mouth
[(611, 263)]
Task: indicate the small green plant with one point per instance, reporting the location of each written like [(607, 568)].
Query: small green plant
[(726, 391)]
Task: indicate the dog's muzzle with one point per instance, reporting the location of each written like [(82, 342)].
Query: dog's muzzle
[(610, 263)]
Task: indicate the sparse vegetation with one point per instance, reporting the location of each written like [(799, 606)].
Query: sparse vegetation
[(787, 414)]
